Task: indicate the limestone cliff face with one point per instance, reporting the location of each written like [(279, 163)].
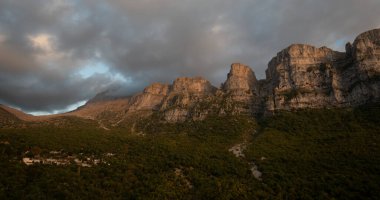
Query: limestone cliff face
[(300, 76), (197, 85), (240, 78), (366, 56), (241, 89), (366, 46), (183, 98)]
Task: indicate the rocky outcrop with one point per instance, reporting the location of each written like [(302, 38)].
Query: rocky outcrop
[(241, 89), (302, 76), (197, 85), (366, 46), (150, 99), (241, 78), (186, 93), (366, 56)]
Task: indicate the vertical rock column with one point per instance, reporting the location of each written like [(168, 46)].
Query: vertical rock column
[(241, 88)]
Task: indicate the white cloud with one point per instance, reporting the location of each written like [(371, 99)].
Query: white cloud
[(2, 38), (42, 42), (46, 51), (67, 109)]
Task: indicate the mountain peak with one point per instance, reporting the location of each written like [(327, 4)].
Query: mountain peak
[(192, 85), (157, 88), (240, 77), (367, 45)]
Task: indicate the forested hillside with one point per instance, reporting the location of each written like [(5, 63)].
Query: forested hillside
[(308, 154)]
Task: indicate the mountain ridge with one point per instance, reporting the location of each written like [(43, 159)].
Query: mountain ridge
[(299, 76)]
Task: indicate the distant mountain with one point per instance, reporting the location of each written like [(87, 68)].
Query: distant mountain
[(300, 76)]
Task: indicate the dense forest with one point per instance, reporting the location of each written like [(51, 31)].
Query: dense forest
[(306, 154)]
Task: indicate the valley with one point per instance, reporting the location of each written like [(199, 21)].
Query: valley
[(309, 154)]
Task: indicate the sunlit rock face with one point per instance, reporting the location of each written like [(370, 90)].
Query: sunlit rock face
[(196, 85), (303, 76), (241, 89), (151, 98), (366, 46), (240, 78), (366, 59), (185, 94), (157, 89)]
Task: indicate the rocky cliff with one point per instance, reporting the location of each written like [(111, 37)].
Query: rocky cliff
[(300, 76), (241, 89)]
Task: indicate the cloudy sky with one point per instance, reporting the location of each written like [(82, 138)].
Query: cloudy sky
[(56, 54)]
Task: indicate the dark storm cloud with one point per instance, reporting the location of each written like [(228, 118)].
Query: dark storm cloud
[(44, 45)]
